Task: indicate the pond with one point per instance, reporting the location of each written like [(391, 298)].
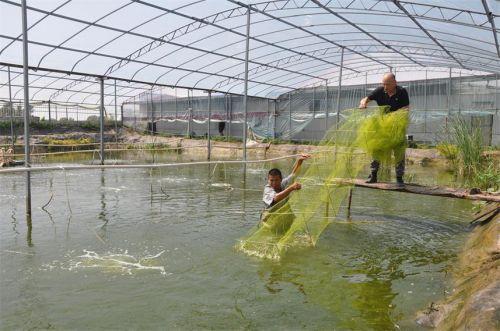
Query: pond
[(154, 249)]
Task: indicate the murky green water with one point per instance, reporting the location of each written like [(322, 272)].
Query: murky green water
[(141, 249)]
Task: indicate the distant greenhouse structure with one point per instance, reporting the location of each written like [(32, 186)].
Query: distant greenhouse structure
[(274, 69)]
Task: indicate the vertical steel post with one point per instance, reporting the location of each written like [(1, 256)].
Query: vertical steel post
[(339, 90), (175, 103), (268, 117), (314, 102), (121, 114), (208, 124), (274, 119), (290, 116), (230, 106), (496, 94), (161, 104), (50, 114), (101, 121), (135, 118), (190, 111), (11, 106), (449, 93), (326, 105), (245, 98), (27, 161), (116, 118), (459, 92), (425, 104), (152, 112)]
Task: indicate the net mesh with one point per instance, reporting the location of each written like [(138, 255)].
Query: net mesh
[(300, 219)]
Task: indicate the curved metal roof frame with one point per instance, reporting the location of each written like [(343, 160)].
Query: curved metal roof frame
[(292, 43)]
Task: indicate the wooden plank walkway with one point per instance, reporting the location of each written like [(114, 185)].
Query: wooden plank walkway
[(427, 190)]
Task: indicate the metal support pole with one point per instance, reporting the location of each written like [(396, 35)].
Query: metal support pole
[(326, 106), (152, 112), (349, 202), (116, 117), (449, 94), (50, 113), (190, 114), (459, 92), (290, 116), (135, 118), (208, 124), (101, 121), (121, 114), (66, 110), (339, 90), (425, 103), (274, 119), (314, 102), (496, 94), (230, 109), (161, 104), (245, 97), (175, 103), (27, 161), (11, 106)]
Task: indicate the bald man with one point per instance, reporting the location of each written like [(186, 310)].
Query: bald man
[(396, 97)]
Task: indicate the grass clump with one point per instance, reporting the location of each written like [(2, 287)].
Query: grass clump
[(466, 153)]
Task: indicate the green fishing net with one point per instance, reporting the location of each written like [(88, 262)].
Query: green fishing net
[(343, 152)]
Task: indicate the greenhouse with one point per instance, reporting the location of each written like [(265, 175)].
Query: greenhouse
[(202, 164)]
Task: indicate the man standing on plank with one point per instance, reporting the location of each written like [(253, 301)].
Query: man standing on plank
[(396, 98)]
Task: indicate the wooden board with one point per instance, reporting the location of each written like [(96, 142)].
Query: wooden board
[(426, 190)]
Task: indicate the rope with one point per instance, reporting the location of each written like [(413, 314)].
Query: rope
[(139, 166)]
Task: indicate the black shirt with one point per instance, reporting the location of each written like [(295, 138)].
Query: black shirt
[(398, 100)]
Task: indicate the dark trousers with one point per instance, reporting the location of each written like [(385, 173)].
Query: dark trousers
[(399, 155)]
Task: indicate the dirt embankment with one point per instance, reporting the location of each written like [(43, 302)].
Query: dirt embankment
[(221, 149), (475, 303)]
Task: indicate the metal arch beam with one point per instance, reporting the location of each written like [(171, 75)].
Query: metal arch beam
[(124, 32), (303, 30), (489, 14), (200, 23), (88, 25), (363, 30), (275, 65), (46, 87), (69, 86), (66, 78), (361, 48), (60, 71), (214, 52), (428, 52), (131, 31), (424, 30), (56, 89), (34, 24), (434, 64), (270, 64), (120, 58), (234, 12), (362, 5), (373, 72)]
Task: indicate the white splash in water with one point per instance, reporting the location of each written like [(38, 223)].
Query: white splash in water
[(114, 189), (222, 185), (111, 262)]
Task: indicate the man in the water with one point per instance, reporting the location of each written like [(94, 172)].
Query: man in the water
[(396, 97), (278, 188)]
